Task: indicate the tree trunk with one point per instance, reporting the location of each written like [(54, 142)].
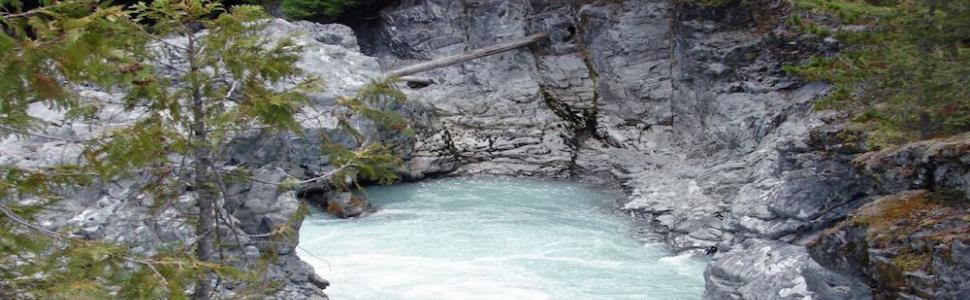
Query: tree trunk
[(926, 77), (466, 56), (205, 198)]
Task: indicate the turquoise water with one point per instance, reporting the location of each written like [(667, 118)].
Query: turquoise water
[(496, 238)]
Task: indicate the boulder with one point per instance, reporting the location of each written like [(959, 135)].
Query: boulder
[(765, 269), (910, 245)]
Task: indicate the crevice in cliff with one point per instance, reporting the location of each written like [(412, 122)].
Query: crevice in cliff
[(582, 122), (450, 146), (676, 61), (565, 113), (591, 113)]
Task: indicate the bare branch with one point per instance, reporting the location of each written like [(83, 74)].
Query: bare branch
[(166, 64), (327, 175), (231, 89), (16, 218), (22, 14), (14, 130), (150, 266), (232, 227), (13, 216)]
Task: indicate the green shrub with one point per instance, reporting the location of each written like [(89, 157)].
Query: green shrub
[(711, 3), (904, 76), (313, 9)]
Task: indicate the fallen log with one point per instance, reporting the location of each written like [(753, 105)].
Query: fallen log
[(416, 80), (466, 56)]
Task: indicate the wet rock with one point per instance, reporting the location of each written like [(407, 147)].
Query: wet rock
[(343, 204), (319, 281), (763, 269)]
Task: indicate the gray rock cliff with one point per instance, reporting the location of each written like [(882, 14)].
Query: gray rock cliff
[(688, 109)]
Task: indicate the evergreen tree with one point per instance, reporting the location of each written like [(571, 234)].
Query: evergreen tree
[(904, 73), (201, 74), (40, 47)]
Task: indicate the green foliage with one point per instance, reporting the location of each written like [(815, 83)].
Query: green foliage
[(194, 93), (312, 9), (373, 162), (72, 41), (712, 3), (902, 78), (125, 150), (373, 102), (68, 40), (36, 263)]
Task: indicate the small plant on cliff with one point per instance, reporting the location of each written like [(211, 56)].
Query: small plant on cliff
[(904, 73), (763, 14), (712, 3), (196, 74), (313, 9)]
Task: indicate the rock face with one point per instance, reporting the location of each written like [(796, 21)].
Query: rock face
[(777, 270), (687, 108), (488, 115), (673, 102), (940, 164), (913, 243)]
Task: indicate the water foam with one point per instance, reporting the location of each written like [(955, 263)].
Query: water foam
[(493, 239)]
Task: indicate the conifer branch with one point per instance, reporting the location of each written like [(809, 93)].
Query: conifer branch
[(24, 132), (328, 175), (16, 218), (166, 64), (22, 14), (275, 232), (151, 266), (231, 89), (301, 182), (13, 216), (225, 197)]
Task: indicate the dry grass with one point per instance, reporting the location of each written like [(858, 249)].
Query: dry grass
[(912, 261), (892, 220), (888, 211)]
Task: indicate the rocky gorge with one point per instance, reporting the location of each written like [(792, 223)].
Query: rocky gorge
[(687, 109)]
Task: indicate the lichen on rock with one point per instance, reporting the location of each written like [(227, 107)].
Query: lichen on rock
[(912, 242)]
